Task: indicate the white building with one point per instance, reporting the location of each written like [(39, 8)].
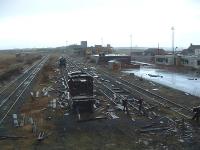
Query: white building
[(182, 60), (164, 59), (191, 61)]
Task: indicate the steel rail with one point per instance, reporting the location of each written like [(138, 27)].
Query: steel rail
[(33, 74)]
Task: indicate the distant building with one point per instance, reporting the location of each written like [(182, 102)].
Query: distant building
[(191, 50), (164, 59), (146, 55), (105, 58), (114, 65), (154, 51), (83, 44), (98, 49), (80, 49), (191, 61)]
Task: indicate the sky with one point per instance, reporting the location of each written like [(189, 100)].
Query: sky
[(52, 23)]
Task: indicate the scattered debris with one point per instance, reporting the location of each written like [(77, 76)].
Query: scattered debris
[(112, 115), (155, 89), (15, 121), (41, 136), (152, 75), (37, 94), (12, 137), (154, 129)]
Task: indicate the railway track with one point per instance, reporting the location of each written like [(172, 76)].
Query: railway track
[(16, 90), (152, 97), (136, 91), (107, 91)]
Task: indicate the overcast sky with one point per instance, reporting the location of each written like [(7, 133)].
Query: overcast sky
[(49, 23)]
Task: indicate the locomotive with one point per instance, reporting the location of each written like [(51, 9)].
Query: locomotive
[(80, 87)]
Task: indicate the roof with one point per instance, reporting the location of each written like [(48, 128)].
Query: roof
[(112, 61), (193, 47), (190, 50), (113, 55), (154, 49)]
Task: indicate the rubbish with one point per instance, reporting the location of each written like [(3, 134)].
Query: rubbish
[(15, 121), (22, 120), (31, 120), (12, 137), (192, 78), (155, 89), (49, 117), (112, 115), (92, 119), (54, 103), (119, 106), (32, 94), (146, 143), (34, 127), (181, 140), (41, 136), (37, 94), (187, 94), (45, 91), (154, 129), (161, 122), (152, 75)]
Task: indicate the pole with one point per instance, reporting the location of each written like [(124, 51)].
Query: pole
[(131, 42), (173, 43)]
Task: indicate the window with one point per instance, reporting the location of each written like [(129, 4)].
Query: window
[(159, 59), (198, 62), (185, 61)]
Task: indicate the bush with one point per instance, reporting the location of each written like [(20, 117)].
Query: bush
[(13, 70)]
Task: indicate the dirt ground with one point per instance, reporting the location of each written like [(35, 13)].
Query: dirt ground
[(63, 131), (12, 66)]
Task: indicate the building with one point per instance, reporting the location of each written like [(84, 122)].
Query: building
[(164, 59), (83, 44), (154, 51), (191, 50), (146, 55), (191, 61), (99, 49), (80, 49), (114, 65), (105, 58)]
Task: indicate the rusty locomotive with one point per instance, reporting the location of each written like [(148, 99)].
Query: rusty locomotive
[(80, 87)]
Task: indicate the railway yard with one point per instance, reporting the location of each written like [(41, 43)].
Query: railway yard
[(35, 111)]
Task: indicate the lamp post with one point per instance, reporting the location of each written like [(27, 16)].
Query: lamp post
[(172, 28)]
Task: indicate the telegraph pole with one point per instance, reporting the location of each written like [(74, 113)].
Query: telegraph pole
[(131, 42), (172, 39)]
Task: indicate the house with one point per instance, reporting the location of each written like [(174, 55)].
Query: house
[(191, 61), (191, 50)]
